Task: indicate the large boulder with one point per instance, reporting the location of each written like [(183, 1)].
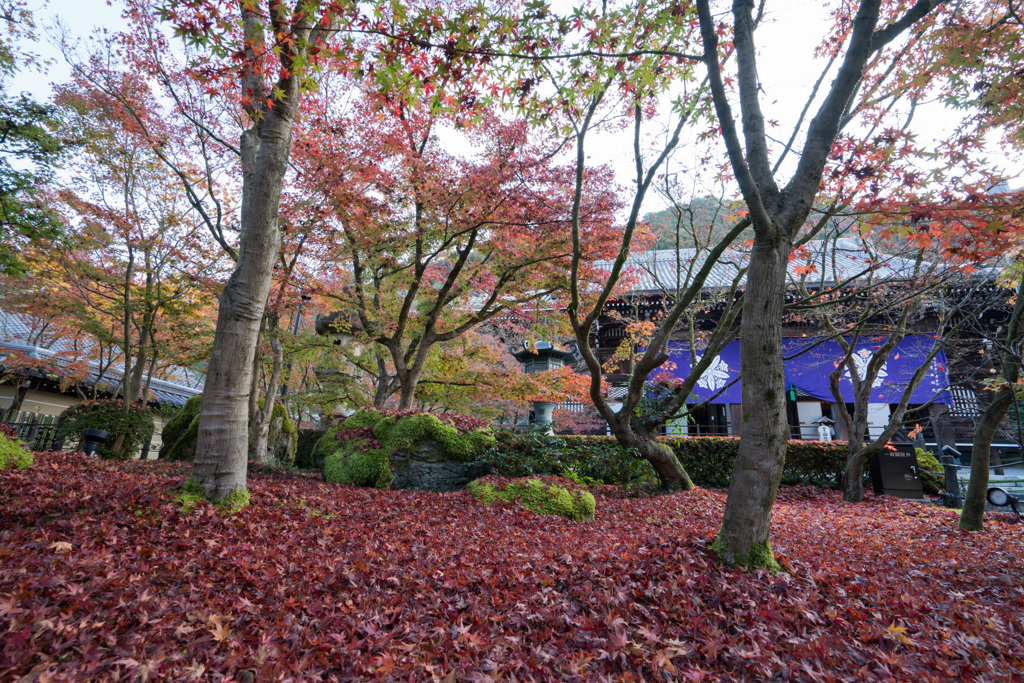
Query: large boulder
[(182, 431), (427, 466), (283, 440), (404, 450)]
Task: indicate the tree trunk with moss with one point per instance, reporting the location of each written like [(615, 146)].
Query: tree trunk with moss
[(777, 215), (743, 538)]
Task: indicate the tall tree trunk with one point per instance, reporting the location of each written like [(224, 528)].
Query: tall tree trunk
[(973, 514), (222, 446), (410, 380), (139, 367), (145, 332), (743, 538), (856, 456), (261, 417), (384, 387)]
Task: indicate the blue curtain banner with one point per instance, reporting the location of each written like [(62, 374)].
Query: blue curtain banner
[(809, 370)]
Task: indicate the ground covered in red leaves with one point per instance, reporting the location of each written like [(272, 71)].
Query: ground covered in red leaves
[(102, 576)]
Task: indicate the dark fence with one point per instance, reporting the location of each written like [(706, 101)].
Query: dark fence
[(38, 431)]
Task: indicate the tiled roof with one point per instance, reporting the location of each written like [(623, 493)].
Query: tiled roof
[(668, 269), (27, 335)]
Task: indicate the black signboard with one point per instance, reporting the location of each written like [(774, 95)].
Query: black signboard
[(895, 473)]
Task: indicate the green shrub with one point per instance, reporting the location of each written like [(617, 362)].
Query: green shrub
[(708, 460), (933, 474), (181, 430), (13, 454), (543, 495), (136, 424), (306, 442), (597, 458), (359, 451)]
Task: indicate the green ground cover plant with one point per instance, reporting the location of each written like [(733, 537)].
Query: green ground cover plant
[(540, 494)]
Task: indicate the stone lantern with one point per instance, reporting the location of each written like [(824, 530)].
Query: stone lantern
[(543, 357)]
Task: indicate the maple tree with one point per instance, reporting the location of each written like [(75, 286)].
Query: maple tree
[(980, 52), (566, 72), (864, 44), (134, 259), (432, 244), (268, 60), (977, 217), (29, 147)]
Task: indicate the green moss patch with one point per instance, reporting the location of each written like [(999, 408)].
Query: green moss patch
[(192, 494), (181, 430), (543, 495), (13, 454), (759, 555), (359, 461)]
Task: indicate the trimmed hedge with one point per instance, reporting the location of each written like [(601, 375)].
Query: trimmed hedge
[(708, 460), (136, 424), (933, 474), (601, 458)]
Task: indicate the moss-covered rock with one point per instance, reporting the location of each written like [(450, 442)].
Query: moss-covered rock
[(305, 457), (543, 495), (325, 445), (283, 441), (418, 450), (13, 454), (361, 462), (182, 431), (367, 417)]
